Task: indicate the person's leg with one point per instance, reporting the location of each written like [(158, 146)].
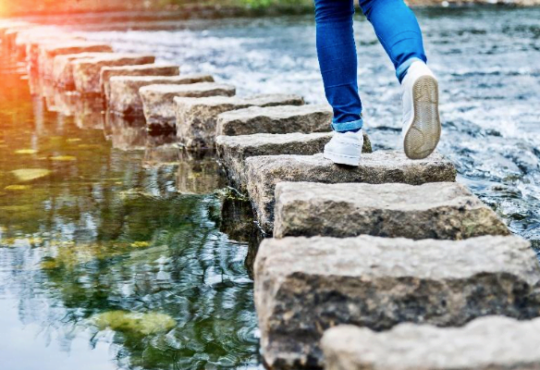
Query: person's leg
[(398, 31), (336, 51)]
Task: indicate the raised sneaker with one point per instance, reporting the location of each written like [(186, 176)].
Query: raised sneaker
[(345, 148), (421, 123)]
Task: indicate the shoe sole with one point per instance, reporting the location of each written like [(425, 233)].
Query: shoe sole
[(424, 133), (342, 159)]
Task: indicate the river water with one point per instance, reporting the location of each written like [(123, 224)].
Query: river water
[(117, 254)]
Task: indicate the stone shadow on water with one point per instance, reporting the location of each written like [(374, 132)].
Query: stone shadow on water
[(125, 235)]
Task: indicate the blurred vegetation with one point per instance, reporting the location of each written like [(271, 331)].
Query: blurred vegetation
[(67, 6)]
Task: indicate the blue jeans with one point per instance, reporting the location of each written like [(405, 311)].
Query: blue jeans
[(396, 28)]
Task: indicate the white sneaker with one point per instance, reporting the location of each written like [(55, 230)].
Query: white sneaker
[(345, 148), (421, 123)]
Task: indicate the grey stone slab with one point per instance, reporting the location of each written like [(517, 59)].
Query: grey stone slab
[(158, 100), (233, 150), (196, 119), (488, 343), (87, 73), (62, 73), (135, 70), (49, 51), (124, 97), (264, 172), (275, 120), (304, 286), (444, 210)]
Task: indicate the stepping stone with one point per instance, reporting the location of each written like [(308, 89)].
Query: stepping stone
[(233, 150), (485, 344), (62, 75), (137, 70), (48, 52), (158, 100), (275, 120), (6, 25), (87, 73), (445, 210), (10, 35), (196, 119), (264, 172), (124, 97), (33, 48), (6, 28), (37, 33), (304, 286)]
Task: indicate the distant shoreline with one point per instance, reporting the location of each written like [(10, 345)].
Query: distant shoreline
[(180, 12)]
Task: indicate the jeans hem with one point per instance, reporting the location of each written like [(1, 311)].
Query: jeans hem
[(401, 71), (348, 126)]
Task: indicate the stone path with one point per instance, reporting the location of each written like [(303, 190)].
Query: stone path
[(304, 286), (485, 344), (234, 150), (275, 120), (158, 100), (124, 98), (264, 172), (196, 119), (134, 70), (387, 247), (87, 73), (443, 210)]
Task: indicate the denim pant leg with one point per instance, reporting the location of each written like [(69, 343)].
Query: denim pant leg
[(338, 61), (398, 31)]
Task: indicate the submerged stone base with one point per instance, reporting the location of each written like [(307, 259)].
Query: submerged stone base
[(196, 119), (124, 98), (87, 73), (134, 70), (487, 343), (445, 210), (275, 120), (264, 172), (233, 150), (158, 100), (304, 286)]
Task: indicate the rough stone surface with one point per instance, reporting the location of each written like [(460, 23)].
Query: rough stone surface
[(445, 210), (233, 150), (62, 75), (33, 51), (487, 343), (87, 73), (124, 98), (134, 70), (304, 286), (264, 172), (275, 120), (158, 100), (49, 51), (196, 119)]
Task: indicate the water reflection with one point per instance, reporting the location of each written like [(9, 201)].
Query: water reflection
[(119, 246), (110, 227)]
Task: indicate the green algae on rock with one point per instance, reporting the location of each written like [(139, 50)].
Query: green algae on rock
[(17, 187), (134, 322), (30, 174), (26, 151)]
